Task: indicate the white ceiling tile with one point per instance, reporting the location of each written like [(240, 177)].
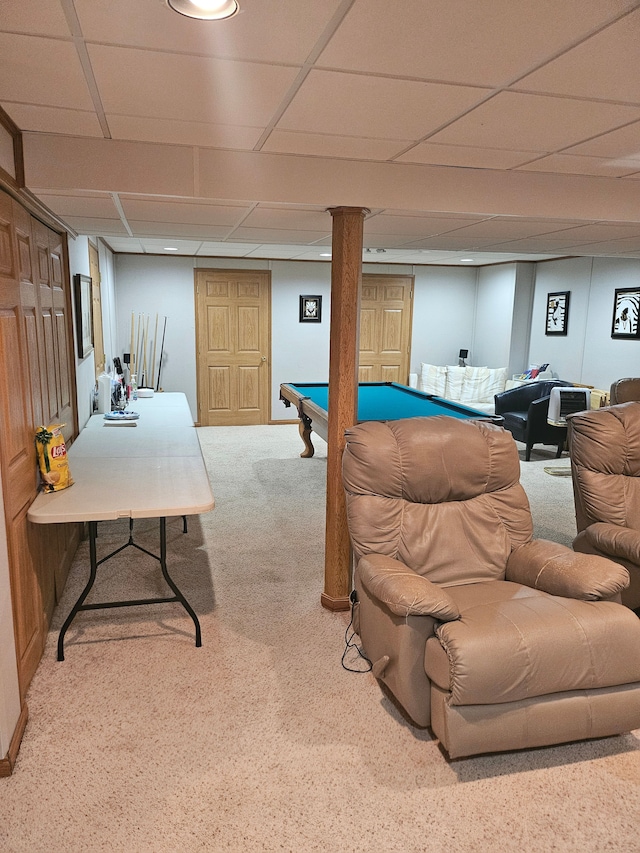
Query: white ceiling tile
[(183, 132), (459, 155), (543, 123), (324, 145), (600, 231), (125, 244), (188, 88), (568, 164), (277, 235), (267, 250), (265, 216), (54, 119), (169, 229), (250, 34), (457, 40), (96, 226), (351, 104), (231, 250), (501, 228), (185, 247), (373, 240), (157, 210), (35, 17), (26, 72), (186, 104), (623, 144), (412, 226), (607, 66), (92, 206)]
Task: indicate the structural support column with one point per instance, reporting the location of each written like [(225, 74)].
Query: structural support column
[(346, 280)]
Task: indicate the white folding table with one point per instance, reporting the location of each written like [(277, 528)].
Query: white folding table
[(152, 470)]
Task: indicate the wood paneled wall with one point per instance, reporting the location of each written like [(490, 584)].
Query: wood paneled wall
[(37, 386)]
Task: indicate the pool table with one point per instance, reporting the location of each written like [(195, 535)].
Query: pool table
[(377, 401)]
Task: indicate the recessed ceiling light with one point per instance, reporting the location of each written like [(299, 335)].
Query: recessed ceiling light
[(205, 10), (325, 254), (170, 249), (467, 260)]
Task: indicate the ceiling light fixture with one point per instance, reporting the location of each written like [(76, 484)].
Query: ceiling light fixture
[(325, 254), (205, 10), (467, 260), (170, 249)]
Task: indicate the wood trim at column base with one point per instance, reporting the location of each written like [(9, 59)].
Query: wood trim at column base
[(8, 763), (334, 603)]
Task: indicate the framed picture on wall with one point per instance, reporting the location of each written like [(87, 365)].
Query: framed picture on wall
[(557, 313), (84, 310), (626, 302), (311, 309)]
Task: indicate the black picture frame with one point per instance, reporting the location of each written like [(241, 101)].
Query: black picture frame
[(84, 314), (626, 307), (311, 309), (557, 316)]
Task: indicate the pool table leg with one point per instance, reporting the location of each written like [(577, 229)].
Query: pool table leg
[(305, 434)]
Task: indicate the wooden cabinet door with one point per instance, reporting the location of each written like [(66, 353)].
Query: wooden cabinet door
[(233, 347), (385, 328)]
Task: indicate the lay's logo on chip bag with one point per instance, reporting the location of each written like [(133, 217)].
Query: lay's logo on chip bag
[(52, 458)]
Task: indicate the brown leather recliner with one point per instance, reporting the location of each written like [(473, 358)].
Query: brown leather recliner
[(605, 463), (624, 391), (494, 640)]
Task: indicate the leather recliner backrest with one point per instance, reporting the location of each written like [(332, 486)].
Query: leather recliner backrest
[(440, 494), (624, 390), (605, 460)]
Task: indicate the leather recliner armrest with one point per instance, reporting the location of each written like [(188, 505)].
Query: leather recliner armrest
[(616, 541), (558, 570), (403, 591)]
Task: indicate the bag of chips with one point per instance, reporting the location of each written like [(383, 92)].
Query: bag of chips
[(52, 458)]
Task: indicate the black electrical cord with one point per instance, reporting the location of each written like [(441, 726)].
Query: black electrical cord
[(349, 635)]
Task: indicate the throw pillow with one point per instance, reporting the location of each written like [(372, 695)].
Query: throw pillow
[(475, 385), (433, 379), (455, 379)]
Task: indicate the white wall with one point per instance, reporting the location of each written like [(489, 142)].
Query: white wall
[(587, 354), (604, 358), (86, 367), (300, 351), (444, 306), (146, 286), (108, 298), (494, 316)]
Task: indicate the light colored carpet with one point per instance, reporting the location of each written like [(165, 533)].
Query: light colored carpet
[(260, 740)]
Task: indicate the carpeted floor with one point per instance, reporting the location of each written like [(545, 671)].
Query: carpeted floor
[(260, 740)]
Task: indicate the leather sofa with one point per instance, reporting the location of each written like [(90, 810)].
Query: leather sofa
[(525, 411), (493, 639), (605, 466), (624, 390)]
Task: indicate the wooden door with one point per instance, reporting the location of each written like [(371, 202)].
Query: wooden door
[(37, 386), (233, 344), (385, 328), (16, 441), (96, 308)]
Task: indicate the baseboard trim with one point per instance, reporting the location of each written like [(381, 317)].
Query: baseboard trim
[(334, 603), (8, 762)]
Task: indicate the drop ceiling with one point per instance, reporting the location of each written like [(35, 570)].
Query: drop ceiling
[(475, 132)]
